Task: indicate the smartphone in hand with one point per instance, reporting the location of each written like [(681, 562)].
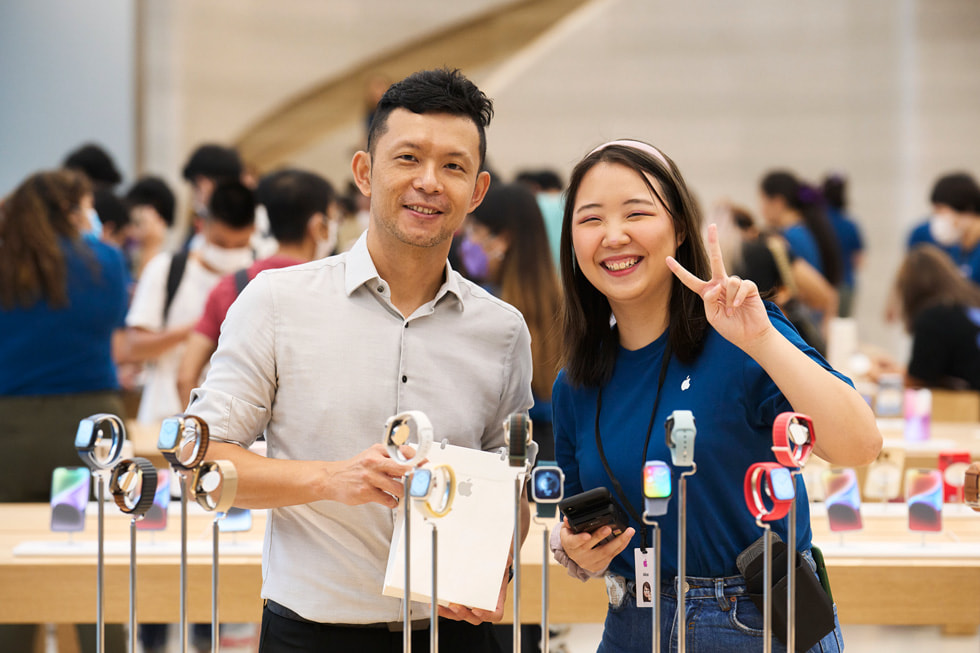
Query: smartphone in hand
[(590, 510)]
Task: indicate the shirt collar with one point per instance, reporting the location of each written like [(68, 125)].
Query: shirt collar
[(360, 271)]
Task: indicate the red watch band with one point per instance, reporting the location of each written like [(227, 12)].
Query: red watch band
[(789, 453), (756, 475)]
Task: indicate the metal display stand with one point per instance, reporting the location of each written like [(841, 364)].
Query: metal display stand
[(656, 581), (99, 476), (183, 560), (523, 451), (407, 609), (682, 557), (434, 616), (766, 585)]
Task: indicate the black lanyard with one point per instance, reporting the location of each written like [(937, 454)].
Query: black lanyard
[(643, 454)]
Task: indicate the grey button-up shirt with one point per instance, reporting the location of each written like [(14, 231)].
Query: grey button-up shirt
[(318, 358)]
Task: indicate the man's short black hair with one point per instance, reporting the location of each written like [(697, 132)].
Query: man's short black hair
[(291, 197), (434, 91), (959, 191), (215, 162), (95, 163), (112, 211), (153, 191), (233, 204)]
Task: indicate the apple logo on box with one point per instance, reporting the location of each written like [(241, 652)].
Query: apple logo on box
[(465, 488)]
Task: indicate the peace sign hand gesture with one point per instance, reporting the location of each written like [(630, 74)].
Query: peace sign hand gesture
[(732, 304)]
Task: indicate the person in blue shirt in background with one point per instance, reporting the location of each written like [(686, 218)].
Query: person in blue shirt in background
[(849, 239), (653, 323)]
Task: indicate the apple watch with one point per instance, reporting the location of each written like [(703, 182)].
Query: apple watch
[(214, 485), (183, 441), (770, 480), (433, 490), (656, 487), (99, 440), (792, 439), (133, 484), (402, 427), (971, 487), (517, 434), (680, 431), (547, 488)]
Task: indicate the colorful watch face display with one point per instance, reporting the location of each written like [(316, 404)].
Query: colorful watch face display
[(169, 434), (155, 518), (656, 480), (924, 496), (421, 483), (781, 484), (546, 484), (69, 496), (843, 500), (85, 436)]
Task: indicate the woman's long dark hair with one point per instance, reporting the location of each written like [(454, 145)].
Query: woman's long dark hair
[(590, 344), (928, 277), (809, 203), (33, 222), (527, 274)]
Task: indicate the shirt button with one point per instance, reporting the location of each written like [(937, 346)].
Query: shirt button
[(381, 289), (404, 379)]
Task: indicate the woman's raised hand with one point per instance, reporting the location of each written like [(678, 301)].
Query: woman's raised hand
[(732, 304)]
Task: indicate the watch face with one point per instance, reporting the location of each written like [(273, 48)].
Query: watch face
[(85, 436), (169, 434), (421, 481), (799, 432), (546, 484), (656, 480), (782, 484)]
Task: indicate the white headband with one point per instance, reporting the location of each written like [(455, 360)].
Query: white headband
[(636, 145)]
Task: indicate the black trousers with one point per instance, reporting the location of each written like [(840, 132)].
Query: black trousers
[(284, 635)]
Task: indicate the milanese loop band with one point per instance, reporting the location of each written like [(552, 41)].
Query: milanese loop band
[(132, 485), (215, 484), (99, 440)]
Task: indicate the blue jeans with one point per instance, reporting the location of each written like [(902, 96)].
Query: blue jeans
[(720, 617)]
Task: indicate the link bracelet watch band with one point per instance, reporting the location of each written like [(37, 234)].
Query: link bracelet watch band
[(133, 484)]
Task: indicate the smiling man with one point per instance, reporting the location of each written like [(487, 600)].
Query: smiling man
[(318, 356)]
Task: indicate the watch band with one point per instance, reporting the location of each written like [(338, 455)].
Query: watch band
[(443, 491), (971, 487), (518, 435), (99, 440), (220, 497), (789, 452), (133, 484), (756, 483), (543, 510), (400, 428), (680, 432), (199, 438), (655, 507)]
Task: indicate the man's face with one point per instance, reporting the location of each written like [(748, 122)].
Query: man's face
[(225, 237), (423, 177)]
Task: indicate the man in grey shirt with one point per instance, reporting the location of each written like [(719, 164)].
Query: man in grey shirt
[(318, 356)]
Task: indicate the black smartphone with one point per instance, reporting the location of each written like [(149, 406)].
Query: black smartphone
[(592, 509)]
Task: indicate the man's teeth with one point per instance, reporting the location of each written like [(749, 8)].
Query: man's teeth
[(616, 266), (422, 209)]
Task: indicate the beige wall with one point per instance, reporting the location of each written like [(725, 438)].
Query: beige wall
[(884, 90)]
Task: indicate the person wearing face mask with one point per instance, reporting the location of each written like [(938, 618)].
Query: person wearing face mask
[(955, 221), (169, 300), (301, 206)]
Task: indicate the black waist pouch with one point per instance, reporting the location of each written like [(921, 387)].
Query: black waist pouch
[(814, 608)]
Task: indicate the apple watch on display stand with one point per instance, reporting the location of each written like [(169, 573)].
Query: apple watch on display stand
[(434, 490), (971, 487), (770, 480), (183, 441), (656, 487), (133, 484), (99, 440), (401, 428), (214, 485), (518, 435), (680, 433), (547, 488), (792, 439)]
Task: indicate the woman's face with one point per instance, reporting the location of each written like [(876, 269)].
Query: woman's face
[(485, 252), (621, 235)]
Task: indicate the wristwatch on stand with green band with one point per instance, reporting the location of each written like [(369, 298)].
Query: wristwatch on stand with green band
[(547, 488)]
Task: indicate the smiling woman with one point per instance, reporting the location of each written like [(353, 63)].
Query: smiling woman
[(653, 318)]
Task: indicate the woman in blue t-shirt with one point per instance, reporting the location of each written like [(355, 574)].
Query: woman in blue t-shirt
[(654, 324)]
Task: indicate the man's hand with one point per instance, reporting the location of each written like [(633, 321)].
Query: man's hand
[(585, 550), (369, 477)]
